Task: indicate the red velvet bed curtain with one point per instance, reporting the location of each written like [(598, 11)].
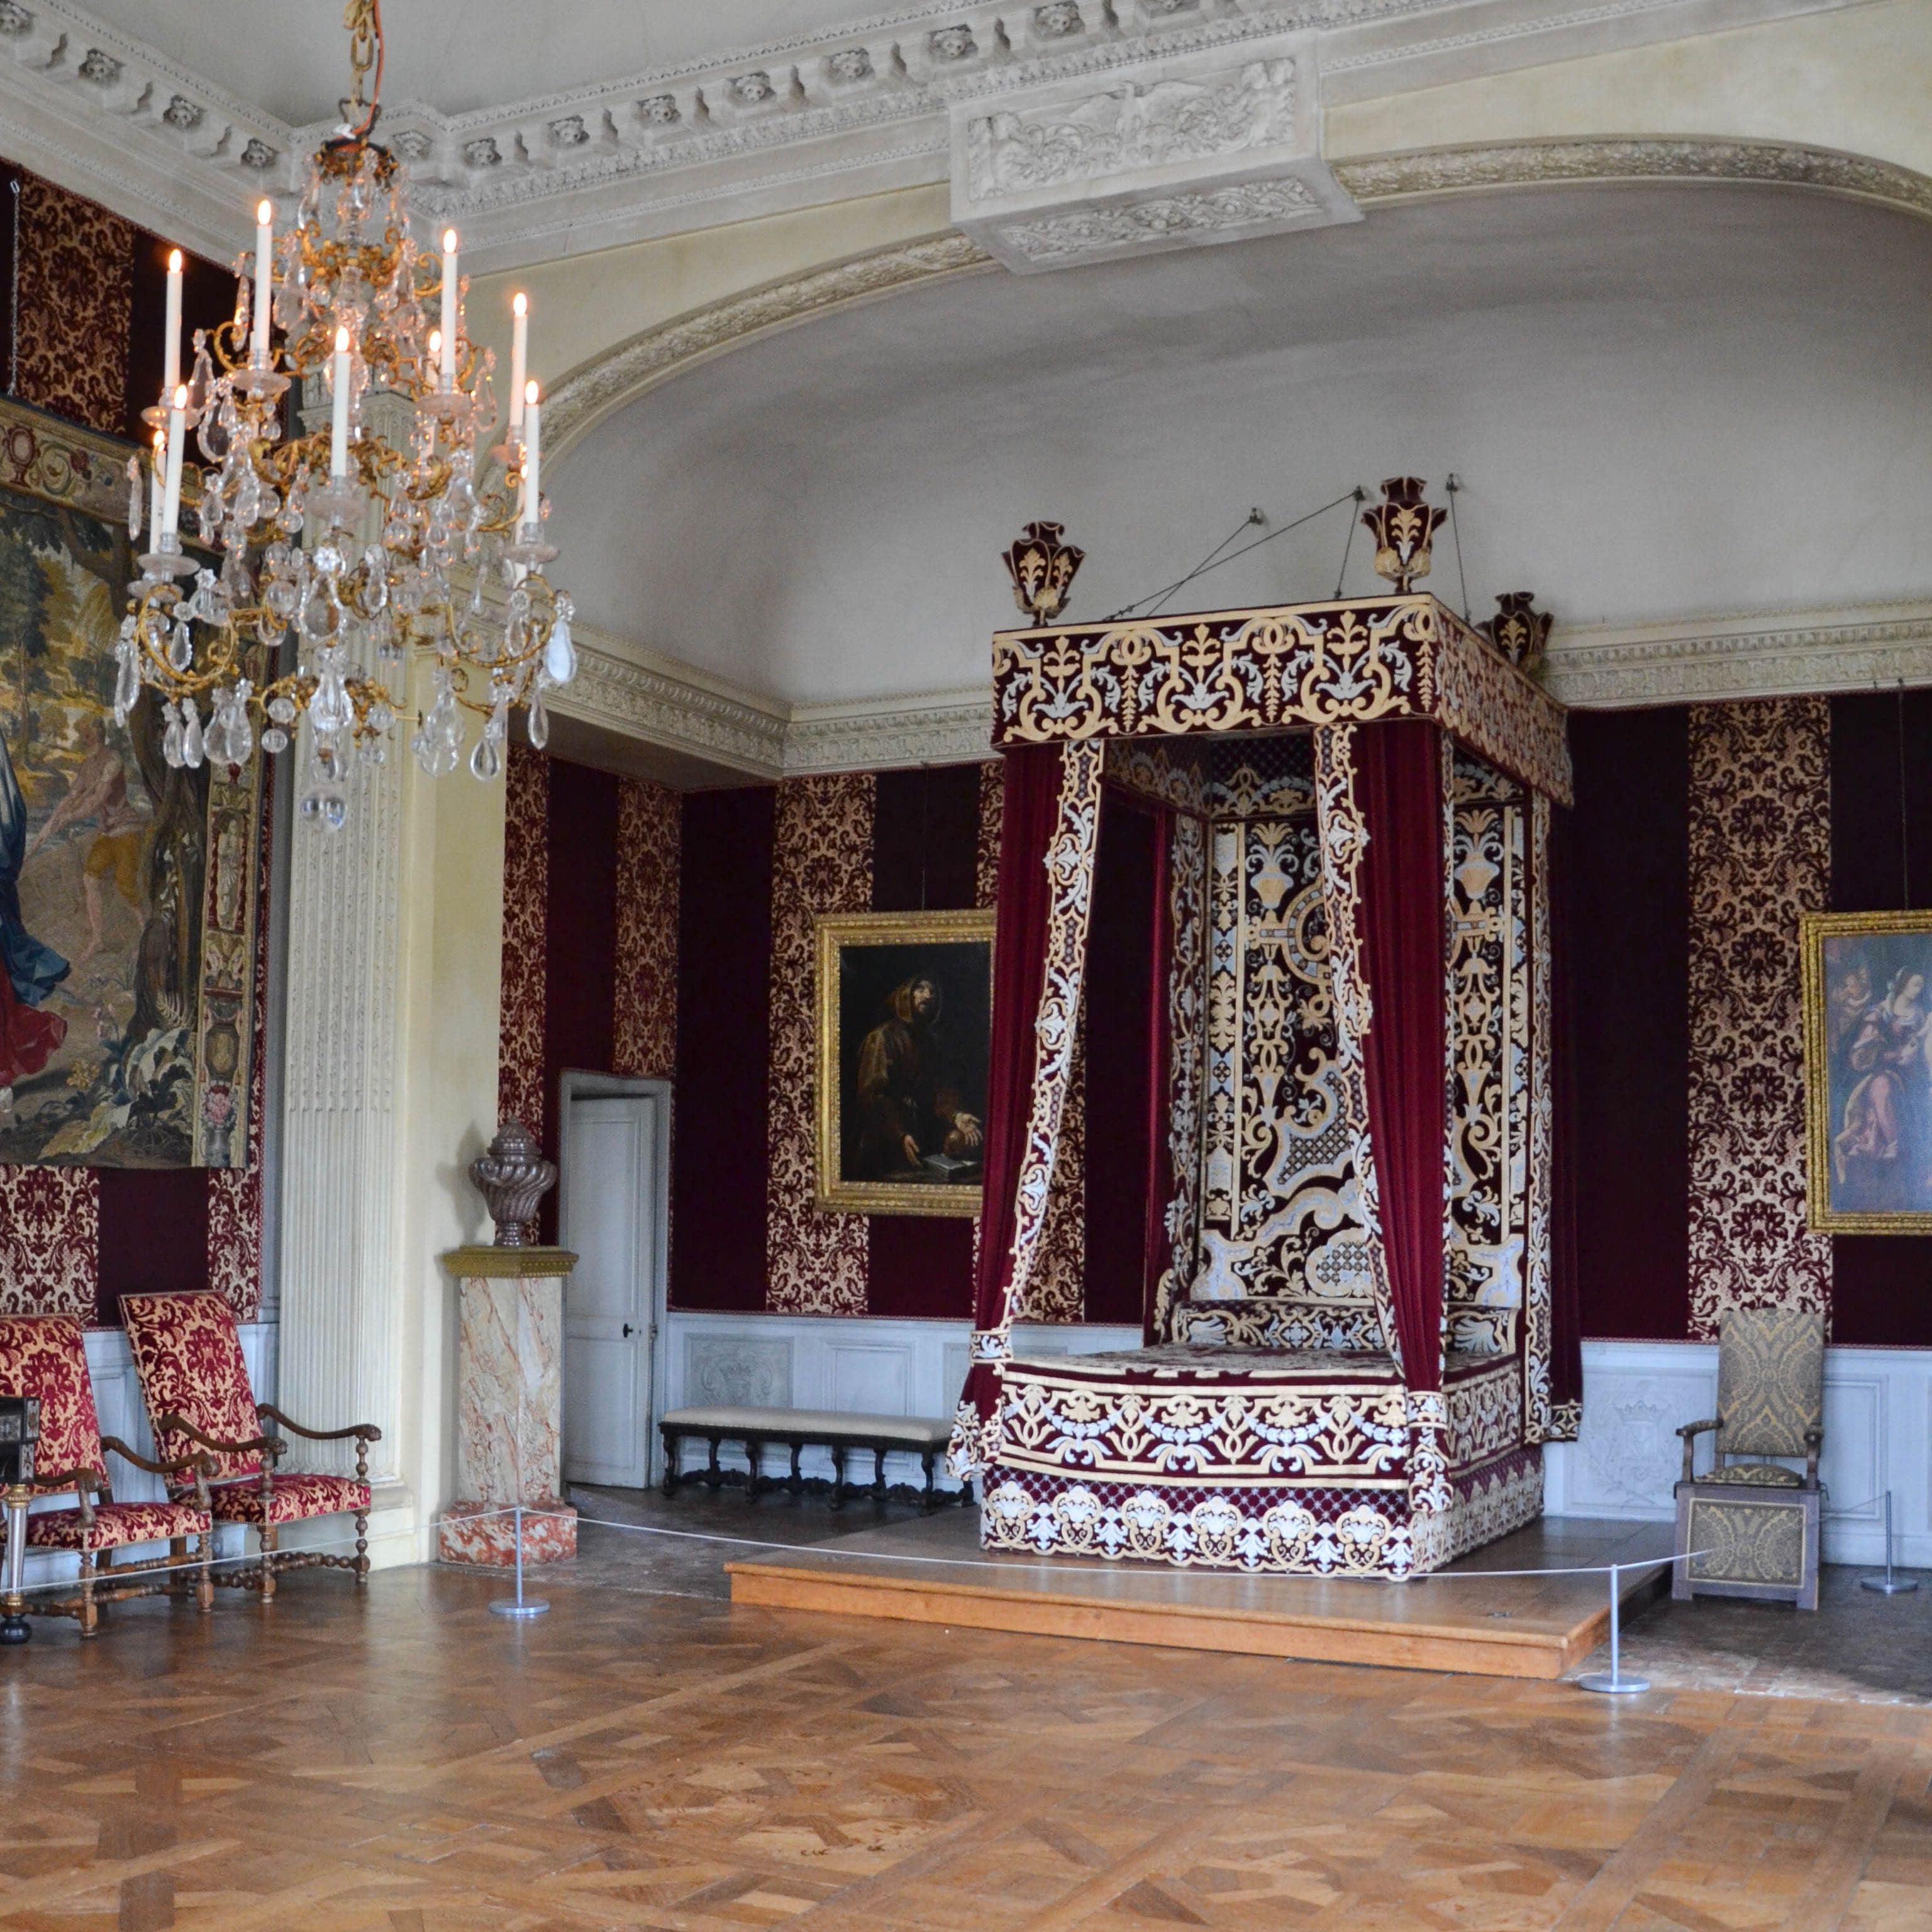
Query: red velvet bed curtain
[(1398, 783), (1029, 811)]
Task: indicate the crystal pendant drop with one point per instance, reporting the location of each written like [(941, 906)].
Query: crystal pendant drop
[(560, 654), (171, 743), (191, 743), (538, 721), (134, 493)]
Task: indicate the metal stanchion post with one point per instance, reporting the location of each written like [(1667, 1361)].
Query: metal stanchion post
[(1616, 1684), (14, 1628), (1888, 1586), (519, 1606)]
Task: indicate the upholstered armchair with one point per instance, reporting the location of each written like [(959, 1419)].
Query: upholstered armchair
[(46, 1356), (187, 1352), (1756, 1519)]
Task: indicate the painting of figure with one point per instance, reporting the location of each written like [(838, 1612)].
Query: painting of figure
[(905, 1022), (1868, 1070), (126, 1002)]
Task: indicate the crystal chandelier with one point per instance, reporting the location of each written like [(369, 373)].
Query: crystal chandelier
[(338, 552)]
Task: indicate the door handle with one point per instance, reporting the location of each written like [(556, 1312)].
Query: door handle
[(628, 1331)]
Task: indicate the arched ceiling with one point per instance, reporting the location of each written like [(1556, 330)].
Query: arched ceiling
[(1664, 400)]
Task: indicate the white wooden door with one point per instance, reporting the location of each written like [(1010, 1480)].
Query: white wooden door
[(607, 1211)]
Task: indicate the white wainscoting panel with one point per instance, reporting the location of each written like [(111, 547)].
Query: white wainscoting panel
[(1878, 1436), (117, 1400), (875, 1367)]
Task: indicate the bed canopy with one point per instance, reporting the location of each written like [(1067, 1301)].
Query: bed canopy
[(1355, 1301)]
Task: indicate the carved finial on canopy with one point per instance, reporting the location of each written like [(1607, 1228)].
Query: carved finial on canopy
[(1518, 630), (1402, 525), (1043, 569)]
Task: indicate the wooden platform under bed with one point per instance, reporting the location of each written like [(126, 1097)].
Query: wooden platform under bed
[(1501, 1627)]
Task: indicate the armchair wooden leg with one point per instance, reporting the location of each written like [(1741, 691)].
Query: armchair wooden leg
[(204, 1583), (271, 1541), (361, 1548), (90, 1613)]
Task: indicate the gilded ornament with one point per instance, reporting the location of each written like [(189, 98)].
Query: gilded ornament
[(1043, 569), (1402, 526), (1519, 631)]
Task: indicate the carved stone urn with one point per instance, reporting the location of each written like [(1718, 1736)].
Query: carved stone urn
[(1402, 525), (512, 1177)]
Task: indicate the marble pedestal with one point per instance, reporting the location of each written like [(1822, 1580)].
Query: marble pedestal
[(509, 1391)]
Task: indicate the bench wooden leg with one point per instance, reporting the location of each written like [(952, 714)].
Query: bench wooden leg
[(713, 1475), (838, 1476), (878, 1475), (754, 1483), (797, 1482), (674, 1446), (932, 1501)]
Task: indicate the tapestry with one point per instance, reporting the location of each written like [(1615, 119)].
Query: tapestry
[(519, 1047), (645, 1038), (986, 856), (1759, 856), (129, 889), (816, 1262)]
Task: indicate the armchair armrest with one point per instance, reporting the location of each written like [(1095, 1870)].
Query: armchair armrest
[(1690, 1433), (366, 1431), (195, 1465), (55, 1482), (271, 1446)]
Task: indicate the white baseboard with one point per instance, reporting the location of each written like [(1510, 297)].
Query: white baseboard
[(1878, 1436)]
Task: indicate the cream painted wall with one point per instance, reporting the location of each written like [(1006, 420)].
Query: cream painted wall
[(584, 306), (1858, 81), (454, 834)]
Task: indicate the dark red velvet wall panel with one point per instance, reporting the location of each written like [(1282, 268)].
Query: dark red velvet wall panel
[(1881, 860), (580, 968), (1630, 924), (154, 1234), (719, 1158), (1119, 1037), (925, 831)]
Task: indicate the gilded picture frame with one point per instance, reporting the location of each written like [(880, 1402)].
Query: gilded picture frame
[(1868, 1000), (903, 1033)]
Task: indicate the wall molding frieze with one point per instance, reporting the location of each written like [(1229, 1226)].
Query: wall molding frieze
[(754, 130)]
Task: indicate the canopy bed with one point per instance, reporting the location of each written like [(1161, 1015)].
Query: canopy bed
[(1356, 1337)]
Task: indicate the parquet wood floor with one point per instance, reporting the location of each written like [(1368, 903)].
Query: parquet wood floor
[(404, 1762)]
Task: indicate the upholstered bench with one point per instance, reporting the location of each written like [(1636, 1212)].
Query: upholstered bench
[(924, 1436)]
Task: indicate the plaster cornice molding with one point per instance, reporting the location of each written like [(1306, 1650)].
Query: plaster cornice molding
[(1753, 654), (941, 727), (1462, 170), (753, 131)]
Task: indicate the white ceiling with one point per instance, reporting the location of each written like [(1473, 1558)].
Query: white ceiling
[(1665, 401), (290, 57)]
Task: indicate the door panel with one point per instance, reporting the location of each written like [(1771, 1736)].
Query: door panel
[(606, 1214)]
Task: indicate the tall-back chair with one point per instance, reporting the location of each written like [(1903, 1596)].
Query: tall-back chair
[(45, 1355), (1755, 1518), (194, 1380)]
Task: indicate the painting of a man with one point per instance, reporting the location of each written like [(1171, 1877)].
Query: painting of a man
[(912, 1117), (1869, 1067), (905, 1030)]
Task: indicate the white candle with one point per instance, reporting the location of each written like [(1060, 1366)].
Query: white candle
[(177, 437), (171, 349), (520, 356), (264, 280), (533, 510), (157, 488), (338, 427), (449, 308)]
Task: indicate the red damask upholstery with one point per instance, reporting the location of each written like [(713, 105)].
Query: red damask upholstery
[(115, 1525), (45, 1355), (188, 1353), (296, 1497)]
